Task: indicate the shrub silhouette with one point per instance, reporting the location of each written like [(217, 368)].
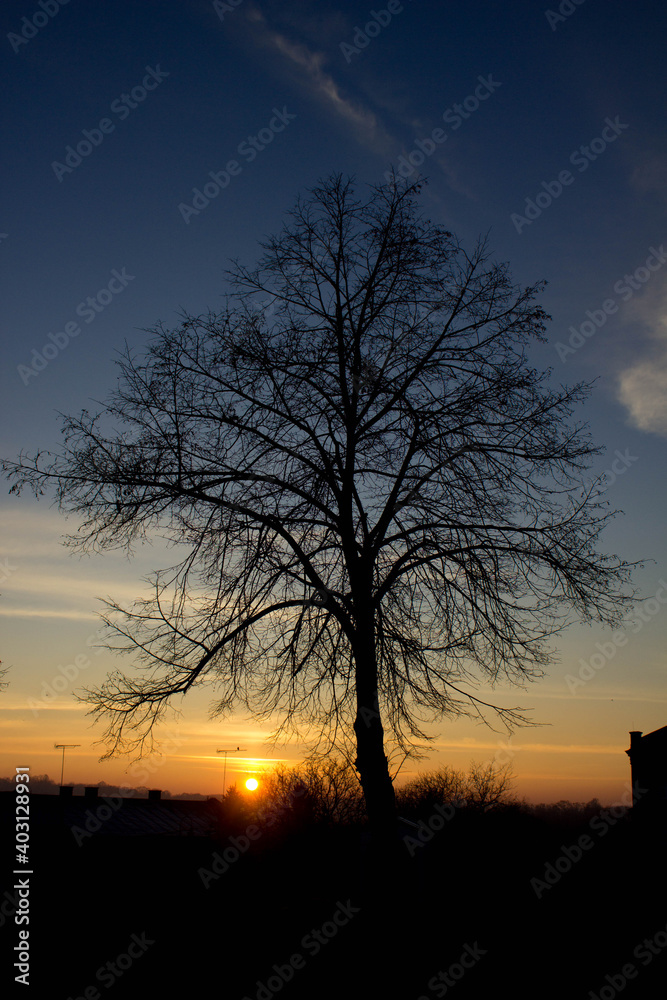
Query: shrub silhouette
[(324, 791), (566, 814), (237, 809), (484, 787)]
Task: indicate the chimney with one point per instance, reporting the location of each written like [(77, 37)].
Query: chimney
[(636, 764), (90, 791), (66, 791), (154, 794)]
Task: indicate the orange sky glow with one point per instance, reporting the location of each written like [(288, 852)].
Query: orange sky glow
[(49, 608)]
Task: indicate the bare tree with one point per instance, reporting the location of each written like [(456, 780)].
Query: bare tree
[(431, 788), (483, 787), (381, 497), (329, 787), (489, 785)]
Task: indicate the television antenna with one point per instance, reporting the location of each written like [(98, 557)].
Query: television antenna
[(63, 747), (233, 750)]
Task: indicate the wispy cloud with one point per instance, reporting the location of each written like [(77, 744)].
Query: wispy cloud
[(56, 584), (22, 709), (51, 593), (46, 580), (69, 613), (569, 748), (650, 175), (642, 384), (308, 70), (235, 762), (305, 41), (559, 748), (605, 695), (643, 390)]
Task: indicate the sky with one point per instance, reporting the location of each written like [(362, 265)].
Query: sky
[(146, 145)]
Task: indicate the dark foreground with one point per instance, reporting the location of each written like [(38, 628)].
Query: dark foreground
[(306, 912)]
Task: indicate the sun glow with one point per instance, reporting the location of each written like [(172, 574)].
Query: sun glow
[(252, 784)]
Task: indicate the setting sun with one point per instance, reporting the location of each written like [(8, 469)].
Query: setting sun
[(251, 784)]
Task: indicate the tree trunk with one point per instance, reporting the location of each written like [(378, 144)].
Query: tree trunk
[(385, 857), (371, 762), (373, 768)]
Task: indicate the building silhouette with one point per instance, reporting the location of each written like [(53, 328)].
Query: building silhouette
[(648, 763), (84, 818)]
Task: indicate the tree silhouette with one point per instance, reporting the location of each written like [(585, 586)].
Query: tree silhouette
[(329, 787), (382, 500), (484, 787)]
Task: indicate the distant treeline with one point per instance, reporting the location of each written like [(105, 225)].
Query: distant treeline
[(327, 791), (41, 784)]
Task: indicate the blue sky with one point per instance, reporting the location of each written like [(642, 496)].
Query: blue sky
[(543, 127)]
